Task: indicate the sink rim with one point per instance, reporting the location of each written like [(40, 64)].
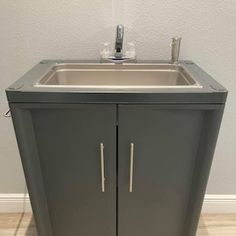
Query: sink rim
[(23, 91), (159, 67)]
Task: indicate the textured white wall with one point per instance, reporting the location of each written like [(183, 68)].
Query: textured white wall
[(35, 30)]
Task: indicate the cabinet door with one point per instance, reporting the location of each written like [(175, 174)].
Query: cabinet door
[(154, 200), (69, 141)]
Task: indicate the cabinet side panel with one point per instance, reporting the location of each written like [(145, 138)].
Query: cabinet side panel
[(209, 134), (25, 135)]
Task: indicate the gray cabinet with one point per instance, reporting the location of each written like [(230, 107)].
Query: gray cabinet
[(67, 141), (165, 141), (156, 164)]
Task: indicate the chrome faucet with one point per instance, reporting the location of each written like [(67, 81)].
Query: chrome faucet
[(119, 41), (117, 55), (175, 48)]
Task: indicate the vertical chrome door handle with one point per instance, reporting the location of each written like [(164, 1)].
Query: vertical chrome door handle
[(131, 167), (102, 167)]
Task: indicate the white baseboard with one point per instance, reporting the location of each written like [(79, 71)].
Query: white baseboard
[(14, 203), (219, 204), (10, 203)]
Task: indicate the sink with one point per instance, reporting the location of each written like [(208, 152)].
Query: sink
[(112, 77), (73, 81)]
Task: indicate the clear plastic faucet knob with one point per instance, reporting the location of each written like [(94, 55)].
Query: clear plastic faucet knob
[(106, 50), (130, 52)]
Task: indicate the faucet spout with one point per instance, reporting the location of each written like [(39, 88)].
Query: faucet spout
[(119, 41)]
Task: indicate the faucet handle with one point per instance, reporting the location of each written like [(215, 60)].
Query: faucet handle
[(106, 50)]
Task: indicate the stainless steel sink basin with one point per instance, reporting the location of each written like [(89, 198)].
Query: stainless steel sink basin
[(112, 77)]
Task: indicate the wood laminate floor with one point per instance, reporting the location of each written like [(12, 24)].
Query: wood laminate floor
[(209, 225)]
